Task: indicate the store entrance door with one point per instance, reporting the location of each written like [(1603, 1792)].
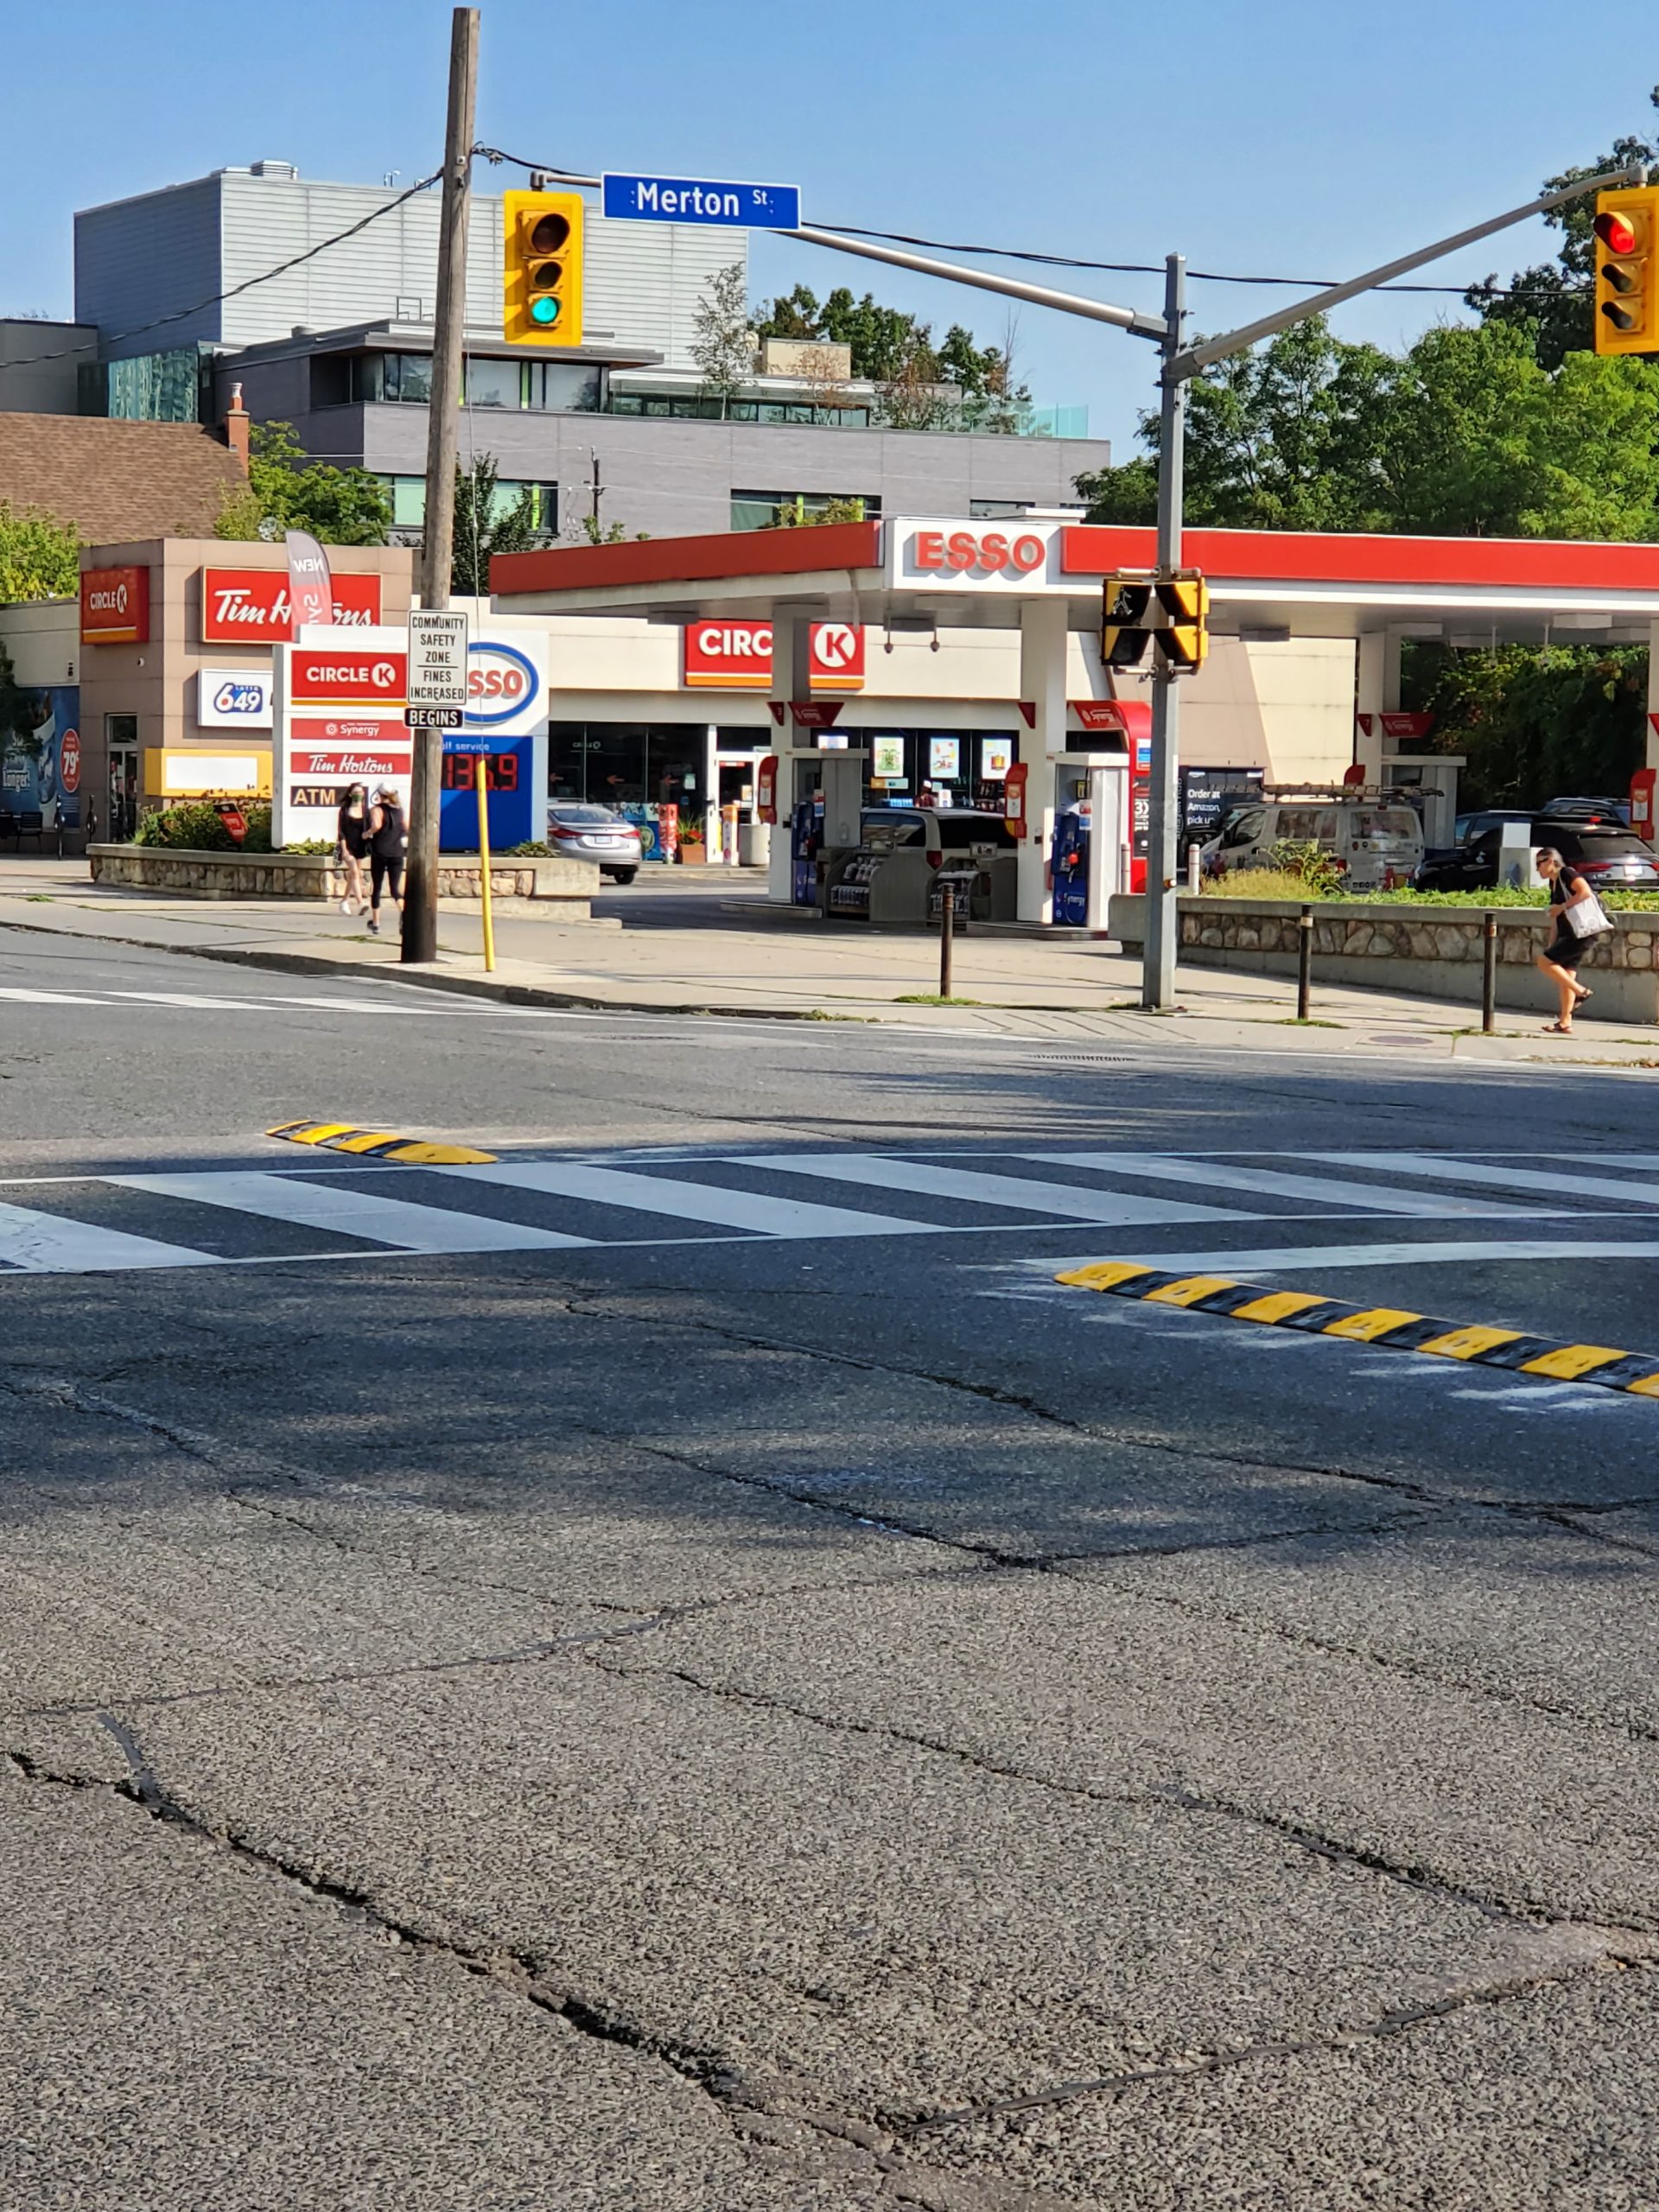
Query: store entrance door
[(123, 794)]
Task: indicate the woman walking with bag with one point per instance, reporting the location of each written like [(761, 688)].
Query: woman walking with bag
[(351, 846), (1577, 920), (388, 838)]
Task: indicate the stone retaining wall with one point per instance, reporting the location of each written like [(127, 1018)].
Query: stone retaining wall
[(1435, 951), (567, 885)]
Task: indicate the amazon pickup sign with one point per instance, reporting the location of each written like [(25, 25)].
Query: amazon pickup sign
[(339, 721), (724, 656)]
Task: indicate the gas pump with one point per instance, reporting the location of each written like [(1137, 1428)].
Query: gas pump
[(805, 843), (1088, 834)]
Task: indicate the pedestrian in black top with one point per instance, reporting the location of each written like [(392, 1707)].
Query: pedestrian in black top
[(351, 845), (1560, 958), (388, 839)]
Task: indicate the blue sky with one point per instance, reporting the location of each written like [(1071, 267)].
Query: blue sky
[(1273, 135)]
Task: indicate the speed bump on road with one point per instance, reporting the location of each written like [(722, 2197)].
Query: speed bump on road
[(379, 1144), (1389, 1326)]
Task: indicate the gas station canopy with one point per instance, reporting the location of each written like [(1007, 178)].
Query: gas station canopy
[(980, 573)]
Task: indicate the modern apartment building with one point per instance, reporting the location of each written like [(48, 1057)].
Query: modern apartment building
[(339, 343)]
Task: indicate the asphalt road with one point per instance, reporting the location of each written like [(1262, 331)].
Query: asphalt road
[(682, 1670)]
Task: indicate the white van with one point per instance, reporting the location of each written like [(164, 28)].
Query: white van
[(1375, 842)]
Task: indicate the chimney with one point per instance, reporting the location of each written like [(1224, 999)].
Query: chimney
[(238, 423)]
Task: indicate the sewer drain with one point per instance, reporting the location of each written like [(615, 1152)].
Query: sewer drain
[(1083, 1060)]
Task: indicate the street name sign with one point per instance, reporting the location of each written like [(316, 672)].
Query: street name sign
[(432, 717), (695, 200), (437, 663)]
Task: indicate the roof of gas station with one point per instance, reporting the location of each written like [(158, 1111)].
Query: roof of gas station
[(977, 572)]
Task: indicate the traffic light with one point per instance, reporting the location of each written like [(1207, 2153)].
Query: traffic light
[(1124, 635), (1185, 640), (1626, 299), (541, 302)]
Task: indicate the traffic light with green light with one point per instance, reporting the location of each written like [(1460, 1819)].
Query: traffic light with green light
[(541, 300), (1627, 295)]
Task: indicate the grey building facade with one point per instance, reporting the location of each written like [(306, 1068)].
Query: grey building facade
[(338, 345)]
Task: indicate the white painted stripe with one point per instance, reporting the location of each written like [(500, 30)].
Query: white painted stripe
[(1517, 1178), (46, 1244), (1643, 1163), (1069, 1200), (47, 998), (394, 1222), (1281, 1258), (1369, 1198), (194, 999), (685, 1201)]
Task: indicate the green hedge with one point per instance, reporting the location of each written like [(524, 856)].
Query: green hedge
[(197, 827)]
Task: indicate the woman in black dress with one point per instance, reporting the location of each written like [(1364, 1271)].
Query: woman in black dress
[(1560, 958), (352, 834)]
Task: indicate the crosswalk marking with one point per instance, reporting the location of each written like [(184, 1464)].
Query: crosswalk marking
[(1469, 1171), (1279, 1259), (1374, 1197), (51, 1245), (46, 998), (347, 1212), (1069, 1200), (706, 1202)]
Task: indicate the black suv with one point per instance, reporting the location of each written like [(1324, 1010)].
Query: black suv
[(1607, 857)]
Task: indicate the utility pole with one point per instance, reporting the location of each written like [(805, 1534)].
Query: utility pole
[(420, 930), (1163, 814)]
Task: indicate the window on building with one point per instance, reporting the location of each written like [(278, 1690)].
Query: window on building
[(490, 384), (691, 407), (565, 387), (770, 510), (392, 376), (409, 502)]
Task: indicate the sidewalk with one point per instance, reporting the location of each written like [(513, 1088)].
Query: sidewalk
[(1020, 987)]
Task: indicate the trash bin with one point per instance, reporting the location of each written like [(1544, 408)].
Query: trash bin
[(754, 844)]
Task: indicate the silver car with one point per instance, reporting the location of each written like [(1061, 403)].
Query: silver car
[(580, 832)]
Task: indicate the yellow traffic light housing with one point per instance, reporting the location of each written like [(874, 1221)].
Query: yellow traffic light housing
[(1184, 639), (1124, 635), (541, 300), (1627, 295)]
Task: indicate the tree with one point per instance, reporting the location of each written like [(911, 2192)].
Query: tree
[(722, 343), (1553, 302), (1531, 721), (340, 507), (487, 523), (889, 346), (795, 514), (39, 556), (1466, 434)]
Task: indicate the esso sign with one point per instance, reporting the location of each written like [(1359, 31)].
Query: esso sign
[(501, 682), (69, 761), (978, 552)]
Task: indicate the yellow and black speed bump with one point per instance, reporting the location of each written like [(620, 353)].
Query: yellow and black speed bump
[(379, 1144), (1390, 1327)]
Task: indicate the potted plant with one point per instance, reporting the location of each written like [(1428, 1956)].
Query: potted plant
[(694, 848)]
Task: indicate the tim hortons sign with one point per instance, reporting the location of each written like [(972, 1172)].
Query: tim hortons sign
[(252, 606)]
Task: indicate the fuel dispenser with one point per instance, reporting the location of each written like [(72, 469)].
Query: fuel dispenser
[(1091, 828)]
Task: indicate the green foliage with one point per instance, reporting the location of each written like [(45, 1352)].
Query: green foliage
[(892, 348), (1261, 883), (1314, 868), (722, 343), (338, 506), (1533, 722), (196, 827), (534, 848), (795, 514), (1466, 434), (39, 556), (486, 524)]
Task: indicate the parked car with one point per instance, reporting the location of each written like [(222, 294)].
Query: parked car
[(1371, 842), (1614, 811), (594, 833), (1608, 857)]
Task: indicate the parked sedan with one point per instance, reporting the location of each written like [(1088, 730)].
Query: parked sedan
[(1608, 859), (594, 833)]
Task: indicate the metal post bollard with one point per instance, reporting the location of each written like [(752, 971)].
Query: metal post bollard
[(1305, 964), (947, 933), (1489, 975), (1194, 860)]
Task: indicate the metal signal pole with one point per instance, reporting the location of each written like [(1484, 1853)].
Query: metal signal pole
[(420, 930), (1164, 812)]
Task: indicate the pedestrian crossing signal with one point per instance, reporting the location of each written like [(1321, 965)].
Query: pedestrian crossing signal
[(1184, 639), (543, 239), (1627, 298), (1124, 634)]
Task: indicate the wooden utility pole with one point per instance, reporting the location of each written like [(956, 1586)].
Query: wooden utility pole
[(420, 931)]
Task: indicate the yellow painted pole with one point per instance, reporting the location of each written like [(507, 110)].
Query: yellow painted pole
[(483, 862)]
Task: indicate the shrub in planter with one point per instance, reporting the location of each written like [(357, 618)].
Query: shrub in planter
[(196, 827)]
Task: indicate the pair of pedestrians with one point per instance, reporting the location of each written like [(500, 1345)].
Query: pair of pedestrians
[(379, 834)]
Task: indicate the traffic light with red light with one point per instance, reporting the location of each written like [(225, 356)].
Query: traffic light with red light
[(1627, 294), (541, 302)]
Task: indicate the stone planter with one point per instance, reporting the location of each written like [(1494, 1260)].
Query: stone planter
[(1430, 951), (560, 886)]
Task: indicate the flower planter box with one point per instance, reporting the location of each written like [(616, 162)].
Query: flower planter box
[(1433, 952), (560, 885)]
